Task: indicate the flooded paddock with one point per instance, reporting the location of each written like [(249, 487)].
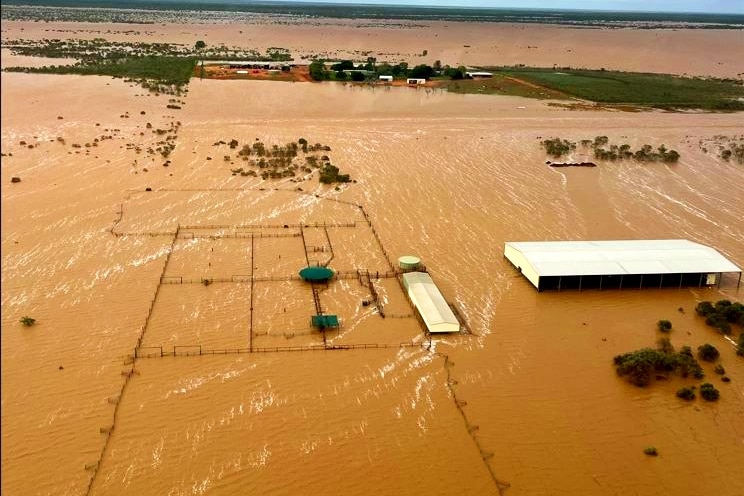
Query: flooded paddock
[(530, 399)]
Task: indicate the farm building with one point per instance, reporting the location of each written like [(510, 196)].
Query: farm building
[(618, 264), (252, 64), (479, 74), (415, 81), (430, 303), (387, 79)]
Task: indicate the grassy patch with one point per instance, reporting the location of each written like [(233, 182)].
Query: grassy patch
[(153, 72), (629, 88), (501, 85)]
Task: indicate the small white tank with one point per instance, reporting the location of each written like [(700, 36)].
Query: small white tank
[(409, 262)]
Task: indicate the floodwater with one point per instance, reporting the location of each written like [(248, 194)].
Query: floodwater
[(697, 52), (528, 404)]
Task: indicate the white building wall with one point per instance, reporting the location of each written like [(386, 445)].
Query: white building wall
[(520, 262)]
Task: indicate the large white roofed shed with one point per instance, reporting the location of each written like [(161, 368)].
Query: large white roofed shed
[(541, 259), (430, 303)]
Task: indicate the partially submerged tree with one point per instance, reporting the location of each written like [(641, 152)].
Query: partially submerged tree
[(27, 321)]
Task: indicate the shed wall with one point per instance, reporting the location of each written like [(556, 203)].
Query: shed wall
[(520, 262)]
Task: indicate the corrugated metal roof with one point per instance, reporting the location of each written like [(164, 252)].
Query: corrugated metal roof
[(668, 256), (430, 303)]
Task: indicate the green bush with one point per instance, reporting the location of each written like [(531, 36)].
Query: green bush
[(687, 364), (664, 325), (27, 321), (686, 393), (722, 315), (709, 392), (639, 366), (329, 175), (454, 73), (651, 451), (344, 65), (704, 308), (719, 369), (708, 353), (422, 71), (317, 71), (557, 147)]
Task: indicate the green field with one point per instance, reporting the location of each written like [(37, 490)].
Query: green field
[(629, 88), (155, 70), (499, 85)]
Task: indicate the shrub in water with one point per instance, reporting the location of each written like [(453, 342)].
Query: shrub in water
[(664, 325), (709, 392), (708, 353), (27, 321), (686, 393)]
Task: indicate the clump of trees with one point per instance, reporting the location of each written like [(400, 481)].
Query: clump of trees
[(735, 151), (347, 69), (721, 315), (318, 71), (280, 161), (603, 150), (329, 174), (557, 147), (640, 366)]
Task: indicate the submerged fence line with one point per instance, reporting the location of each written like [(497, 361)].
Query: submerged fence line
[(127, 374), (243, 278), (501, 485), (199, 350), (239, 235), (377, 237)]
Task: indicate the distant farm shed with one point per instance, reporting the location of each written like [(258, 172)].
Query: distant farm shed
[(479, 74), (617, 264), (430, 303), (388, 79), (415, 81)]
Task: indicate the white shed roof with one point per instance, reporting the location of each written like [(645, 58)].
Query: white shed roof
[(669, 256), (425, 295)]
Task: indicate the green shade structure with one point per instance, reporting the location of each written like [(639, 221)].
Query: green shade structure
[(325, 321), (316, 274)]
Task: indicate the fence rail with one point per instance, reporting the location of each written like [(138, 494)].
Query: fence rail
[(199, 350), (240, 278), (240, 235)]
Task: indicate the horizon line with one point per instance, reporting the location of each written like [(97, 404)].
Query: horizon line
[(365, 4)]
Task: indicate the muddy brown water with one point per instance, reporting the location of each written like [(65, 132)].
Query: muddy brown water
[(448, 178)]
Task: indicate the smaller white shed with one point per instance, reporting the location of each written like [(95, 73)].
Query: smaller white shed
[(479, 74), (415, 81), (430, 303), (387, 79)]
